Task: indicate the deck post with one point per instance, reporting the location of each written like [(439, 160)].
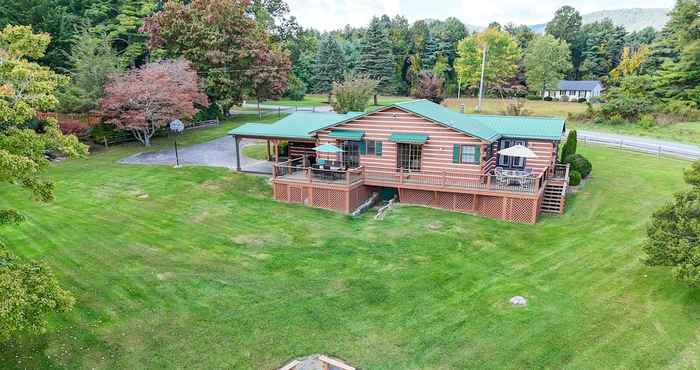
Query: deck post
[(238, 153), (444, 176)]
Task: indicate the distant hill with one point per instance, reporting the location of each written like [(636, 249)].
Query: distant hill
[(633, 19)]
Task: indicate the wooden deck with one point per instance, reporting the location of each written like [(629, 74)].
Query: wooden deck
[(293, 171)]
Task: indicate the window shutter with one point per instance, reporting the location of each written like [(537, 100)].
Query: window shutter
[(455, 153), (363, 147), (378, 148), (477, 154)]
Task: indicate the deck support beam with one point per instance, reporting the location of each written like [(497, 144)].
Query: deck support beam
[(238, 153)]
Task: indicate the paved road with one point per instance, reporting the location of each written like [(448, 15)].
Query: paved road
[(642, 144), (220, 152)]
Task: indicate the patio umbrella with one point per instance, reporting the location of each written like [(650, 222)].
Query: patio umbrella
[(328, 148), (519, 151)]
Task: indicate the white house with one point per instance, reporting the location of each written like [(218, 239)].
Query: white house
[(576, 90)]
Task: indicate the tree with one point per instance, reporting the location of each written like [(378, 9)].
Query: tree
[(353, 95), (547, 61), (566, 25), (501, 59), (430, 87), (145, 99), (28, 290), (330, 66), (569, 147), (218, 37), (523, 34), (673, 235), (376, 58), (269, 75), (632, 99), (603, 49), (630, 63), (92, 59)]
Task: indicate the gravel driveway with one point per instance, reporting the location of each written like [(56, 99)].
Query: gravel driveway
[(216, 153)]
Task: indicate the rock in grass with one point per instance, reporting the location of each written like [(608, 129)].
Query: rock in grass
[(518, 301)]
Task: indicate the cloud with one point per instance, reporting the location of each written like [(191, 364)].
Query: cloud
[(334, 14)]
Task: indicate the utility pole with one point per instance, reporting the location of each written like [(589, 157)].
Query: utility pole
[(481, 84)]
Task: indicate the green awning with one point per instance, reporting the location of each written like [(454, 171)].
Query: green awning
[(409, 138), (347, 135)]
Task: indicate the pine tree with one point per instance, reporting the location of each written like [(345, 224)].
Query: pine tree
[(330, 66), (376, 57)]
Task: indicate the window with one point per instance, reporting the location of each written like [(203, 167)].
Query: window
[(408, 157), (370, 147), (468, 154)]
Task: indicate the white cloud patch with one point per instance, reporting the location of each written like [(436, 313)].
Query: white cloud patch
[(335, 14)]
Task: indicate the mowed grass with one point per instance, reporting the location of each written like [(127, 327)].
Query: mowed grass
[(537, 108), (685, 132), (256, 151), (199, 268)]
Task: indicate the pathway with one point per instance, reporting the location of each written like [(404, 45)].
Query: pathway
[(220, 152)]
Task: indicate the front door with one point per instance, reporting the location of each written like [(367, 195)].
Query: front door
[(510, 162), (351, 153), (408, 157)]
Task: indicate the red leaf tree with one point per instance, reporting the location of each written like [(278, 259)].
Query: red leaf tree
[(222, 40), (269, 75), (145, 99)]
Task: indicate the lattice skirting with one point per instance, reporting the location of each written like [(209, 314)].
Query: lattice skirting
[(343, 200), (519, 210)]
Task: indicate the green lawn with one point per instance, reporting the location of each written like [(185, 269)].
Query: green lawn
[(686, 132), (198, 268), (256, 151)]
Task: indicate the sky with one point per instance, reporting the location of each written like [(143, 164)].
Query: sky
[(328, 15)]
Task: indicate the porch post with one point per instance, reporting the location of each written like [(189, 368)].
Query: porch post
[(269, 156), (238, 153), (277, 151)]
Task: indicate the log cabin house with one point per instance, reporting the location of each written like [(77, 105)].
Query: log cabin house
[(421, 152)]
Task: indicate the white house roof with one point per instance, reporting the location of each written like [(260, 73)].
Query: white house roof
[(579, 85)]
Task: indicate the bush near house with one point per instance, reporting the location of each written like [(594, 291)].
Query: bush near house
[(574, 178), (580, 164)]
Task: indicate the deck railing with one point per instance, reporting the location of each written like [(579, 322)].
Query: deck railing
[(561, 171), (295, 170)]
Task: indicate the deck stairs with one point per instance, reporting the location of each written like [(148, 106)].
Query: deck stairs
[(554, 198)]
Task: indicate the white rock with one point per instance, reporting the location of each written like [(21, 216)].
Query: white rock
[(518, 301)]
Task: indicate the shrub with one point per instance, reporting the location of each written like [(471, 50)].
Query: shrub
[(38, 125), (516, 107), (569, 147), (534, 97), (580, 164), (213, 111), (71, 127), (616, 119), (564, 98), (354, 94), (595, 100), (296, 88), (647, 121), (574, 178), (547, 98), (583, 100), (429, 86)]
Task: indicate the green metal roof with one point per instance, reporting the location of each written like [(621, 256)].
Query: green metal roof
[(406, 137), (303, 125), (489, 128), (525, 127), (299, 125), (347, 134)]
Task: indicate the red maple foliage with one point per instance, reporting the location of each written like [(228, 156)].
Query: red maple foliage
[(145, 99)]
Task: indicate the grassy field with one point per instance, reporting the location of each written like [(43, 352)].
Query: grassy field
[(198, 268), (536, 108), (256, 151), (686, 132)]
